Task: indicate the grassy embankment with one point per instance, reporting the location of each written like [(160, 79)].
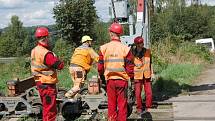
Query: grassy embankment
[(177, 65)]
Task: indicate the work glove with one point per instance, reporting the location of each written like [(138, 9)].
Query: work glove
[(154, 77), (102, 77), (132, 84), (131, 92)]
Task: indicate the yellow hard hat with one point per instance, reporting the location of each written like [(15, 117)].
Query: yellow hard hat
[(86, 38)]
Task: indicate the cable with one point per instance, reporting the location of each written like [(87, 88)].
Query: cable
[(114, 12)]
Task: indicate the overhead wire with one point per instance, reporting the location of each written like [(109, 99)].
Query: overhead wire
[(114, 11)]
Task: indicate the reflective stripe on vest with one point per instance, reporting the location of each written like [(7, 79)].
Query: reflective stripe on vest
[(47, 73), (114, 60), (42, 66), (116, 69)]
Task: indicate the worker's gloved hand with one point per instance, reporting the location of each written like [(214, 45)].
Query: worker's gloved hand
[(102, 77), (153, 77), (132, 83)]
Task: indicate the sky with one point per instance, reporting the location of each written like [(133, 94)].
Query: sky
[(39, 12)]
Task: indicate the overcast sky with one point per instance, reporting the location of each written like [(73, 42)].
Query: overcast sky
[(39, 12)]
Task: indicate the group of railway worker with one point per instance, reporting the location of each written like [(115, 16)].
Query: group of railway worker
[(117, 63)]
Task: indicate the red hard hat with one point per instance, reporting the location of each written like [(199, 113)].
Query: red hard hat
[(116, 28), (41, 32), (138, 40)]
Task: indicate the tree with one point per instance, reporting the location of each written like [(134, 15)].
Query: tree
[(75, 18), (15, 40), (191, 23)]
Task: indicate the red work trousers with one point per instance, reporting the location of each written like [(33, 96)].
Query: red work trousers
[(117, 99), (148, 93), (48, 94)]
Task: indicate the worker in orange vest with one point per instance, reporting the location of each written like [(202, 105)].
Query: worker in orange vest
[(142, 74), (44, 66), (116, 64), (81, 62)]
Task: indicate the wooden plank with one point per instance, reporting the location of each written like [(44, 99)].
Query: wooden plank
[(25, 84)]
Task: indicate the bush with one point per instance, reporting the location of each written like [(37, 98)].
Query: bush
[(200, 51)]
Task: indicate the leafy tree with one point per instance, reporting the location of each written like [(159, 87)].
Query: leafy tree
[(178, 20), (15, 40), (74, 19)]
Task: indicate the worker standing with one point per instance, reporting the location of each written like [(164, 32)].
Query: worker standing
[(142, 73), (44, 64), (81, 62), (116, 64)]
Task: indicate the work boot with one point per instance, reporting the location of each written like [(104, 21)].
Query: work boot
[(146, 115), (138, 113)]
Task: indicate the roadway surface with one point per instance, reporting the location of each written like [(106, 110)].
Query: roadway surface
[(199, 103)]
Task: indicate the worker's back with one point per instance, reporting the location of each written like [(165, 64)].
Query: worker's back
[(114, 54), (81, 57)]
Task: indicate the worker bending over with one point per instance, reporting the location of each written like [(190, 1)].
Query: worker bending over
[(80, 65)]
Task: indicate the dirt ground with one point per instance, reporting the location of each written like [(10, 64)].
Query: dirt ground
[(199, 103)]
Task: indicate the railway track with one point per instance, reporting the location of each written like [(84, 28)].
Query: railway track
[(161, 111)]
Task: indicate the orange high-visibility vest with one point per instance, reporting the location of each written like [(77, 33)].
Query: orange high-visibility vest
[(84, 56), (114, 54), (39, 70), (142, 66)]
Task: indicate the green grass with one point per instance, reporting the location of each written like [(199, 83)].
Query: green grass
[(64, 78), (181, 73), (174, 79), (19, 69)]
